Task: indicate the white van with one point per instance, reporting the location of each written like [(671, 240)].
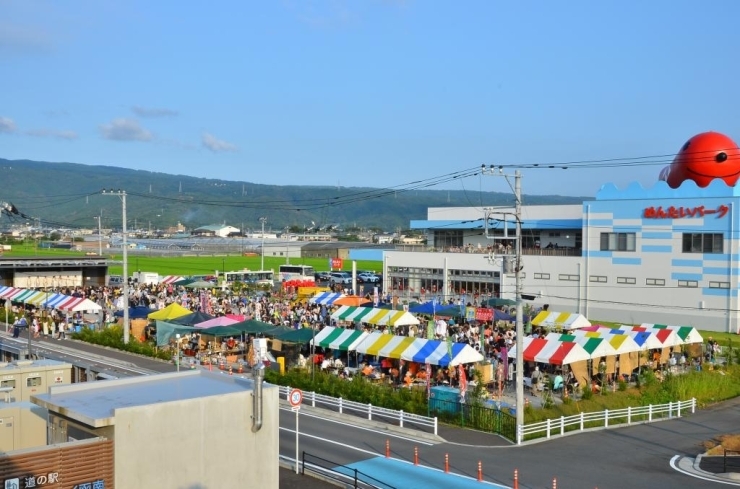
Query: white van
[(115, 281)]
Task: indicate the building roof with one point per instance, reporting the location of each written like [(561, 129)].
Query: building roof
[(335, 245), (95, 403)]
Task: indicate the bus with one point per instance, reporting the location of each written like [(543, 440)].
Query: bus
[(296, 272), (250, 277)]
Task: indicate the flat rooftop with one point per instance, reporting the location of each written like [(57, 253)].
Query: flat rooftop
[(95, 403)]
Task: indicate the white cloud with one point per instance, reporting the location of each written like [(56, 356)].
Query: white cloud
[(7, 125), (123, 129), (217, 145), (153, 111), (52, 133)]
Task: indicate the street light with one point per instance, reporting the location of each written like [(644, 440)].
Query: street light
[(263, 220)]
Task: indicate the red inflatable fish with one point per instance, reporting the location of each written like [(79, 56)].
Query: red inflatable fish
[(703, 158)]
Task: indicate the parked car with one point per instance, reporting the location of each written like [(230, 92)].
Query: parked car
[(367, 278), (322, 276), (342, 278)]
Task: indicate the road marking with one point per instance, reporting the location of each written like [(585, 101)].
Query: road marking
[(368, 452), (399, 437), (696, 476)]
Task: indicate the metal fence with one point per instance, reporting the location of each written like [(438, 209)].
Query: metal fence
[(368, 411), (604, 419), (488, 418), (347, 476)]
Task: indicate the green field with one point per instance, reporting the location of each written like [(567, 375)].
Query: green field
[(192, 265)]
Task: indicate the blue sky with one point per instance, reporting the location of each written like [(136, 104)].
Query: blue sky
[(366, 93)]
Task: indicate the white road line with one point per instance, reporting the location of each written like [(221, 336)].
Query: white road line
[(399, 437), (697, 476), (368, 452)]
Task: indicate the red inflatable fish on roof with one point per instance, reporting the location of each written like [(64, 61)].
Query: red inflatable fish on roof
[(703, 158)]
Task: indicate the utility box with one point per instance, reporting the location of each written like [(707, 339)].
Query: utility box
[(25, 378), (444, 399), (22, 425)]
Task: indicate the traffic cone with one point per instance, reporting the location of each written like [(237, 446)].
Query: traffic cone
[(241, 369)]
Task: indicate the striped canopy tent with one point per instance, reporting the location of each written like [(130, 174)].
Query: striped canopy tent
[(667, 337), (55, 300), (377, 317), (436, 352), (69, 303), (643, 339), (595, 346), (8, 292), (687, 334), (36, 298), (419, 350), (339, 338), (80, 305), (171, 279), (620, 342), (3, 289), (564, 320), (325, 298), (21, 294), (552, 352)]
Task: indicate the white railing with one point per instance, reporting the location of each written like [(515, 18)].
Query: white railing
[(342, 406), (606, 418)]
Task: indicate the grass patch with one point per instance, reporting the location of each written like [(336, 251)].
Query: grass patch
[(718, 445)]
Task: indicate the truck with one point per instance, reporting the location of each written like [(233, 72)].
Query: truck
[(146, 277)]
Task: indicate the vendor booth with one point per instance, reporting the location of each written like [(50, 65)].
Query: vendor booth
[(560, 320), (374, 316)]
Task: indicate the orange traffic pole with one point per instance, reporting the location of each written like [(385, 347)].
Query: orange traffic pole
[(447, 464), (516, 478), (416, 455), (480, 471), (387, 449)]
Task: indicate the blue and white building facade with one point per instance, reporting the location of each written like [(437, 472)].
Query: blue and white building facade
[(657, 255)]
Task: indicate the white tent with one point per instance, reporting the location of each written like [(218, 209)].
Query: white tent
[(86, 305), (564, 320)]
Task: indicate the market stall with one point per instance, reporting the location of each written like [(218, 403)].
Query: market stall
[(560, 320), (374, 316)]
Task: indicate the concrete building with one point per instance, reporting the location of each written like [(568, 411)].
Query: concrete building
[(659, 255), (185, 429)]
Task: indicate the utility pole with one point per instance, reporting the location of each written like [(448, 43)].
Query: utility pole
[(518, 266), (122, 195), (263, 220)]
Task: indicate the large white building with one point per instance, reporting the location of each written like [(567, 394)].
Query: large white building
[(658, 255)]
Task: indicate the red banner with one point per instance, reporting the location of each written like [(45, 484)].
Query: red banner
[(337, 263), (483, 314)]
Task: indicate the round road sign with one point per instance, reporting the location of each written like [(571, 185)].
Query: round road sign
[(295, 397)]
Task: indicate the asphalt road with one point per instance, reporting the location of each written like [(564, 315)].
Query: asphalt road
[(635, 457)]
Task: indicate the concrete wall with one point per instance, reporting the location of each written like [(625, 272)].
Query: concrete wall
[(204, 442), (22, 425)]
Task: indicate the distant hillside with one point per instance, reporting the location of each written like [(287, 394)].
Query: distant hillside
[(67, 194)]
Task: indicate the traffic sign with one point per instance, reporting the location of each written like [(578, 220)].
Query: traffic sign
[(295, 398)]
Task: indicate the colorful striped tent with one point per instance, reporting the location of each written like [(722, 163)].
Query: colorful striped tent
[(339, 338), (552, 352), (687, 334), (419, 350), (595, 346), (377, 317), (171, 279), (7, 292), (564, 320), (667, 337), (620, 342), (644, 340), (325, 298)]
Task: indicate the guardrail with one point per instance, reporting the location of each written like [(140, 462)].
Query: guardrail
[(605, 419), (342, 406), (349, 477)]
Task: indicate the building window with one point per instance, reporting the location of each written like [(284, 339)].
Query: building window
[(8, 383), (688, 283), (542, 276), (703, 243), (597, 278), (617, 241), (626, 280), (655, 281), (719, 285), (33, 382), (568, 278)]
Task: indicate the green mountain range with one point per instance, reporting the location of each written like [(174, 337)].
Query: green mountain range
[(69, 195)]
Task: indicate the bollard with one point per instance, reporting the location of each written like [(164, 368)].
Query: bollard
[(387, 449), (480, 471), (516, 478), (416, 455), (555, 483), (447, 464)]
